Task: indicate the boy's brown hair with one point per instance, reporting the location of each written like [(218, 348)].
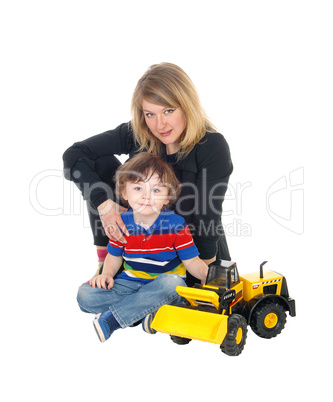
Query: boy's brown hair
[(141, 168)]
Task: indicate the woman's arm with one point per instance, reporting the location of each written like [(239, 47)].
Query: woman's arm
[(84, 164), (82, 159), (214, 169)]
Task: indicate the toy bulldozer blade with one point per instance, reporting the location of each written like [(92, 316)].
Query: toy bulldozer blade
[(190, 323)]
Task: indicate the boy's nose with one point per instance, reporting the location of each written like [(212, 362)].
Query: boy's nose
[(146, 194)]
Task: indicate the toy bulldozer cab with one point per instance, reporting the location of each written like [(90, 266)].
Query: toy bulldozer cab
[(222, 276)]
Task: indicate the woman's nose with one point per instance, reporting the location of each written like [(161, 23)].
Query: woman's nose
[(160, 122)]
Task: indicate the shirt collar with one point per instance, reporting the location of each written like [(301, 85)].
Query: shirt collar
[(134, 228)]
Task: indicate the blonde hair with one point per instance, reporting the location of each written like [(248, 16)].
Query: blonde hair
[(167, 85)]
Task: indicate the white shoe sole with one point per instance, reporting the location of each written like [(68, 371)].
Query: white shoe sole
[(98, 328), (147, 324)]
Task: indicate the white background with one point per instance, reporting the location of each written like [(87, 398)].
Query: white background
[(263, 70)]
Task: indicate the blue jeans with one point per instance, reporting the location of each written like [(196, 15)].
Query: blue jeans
[(130, 301)]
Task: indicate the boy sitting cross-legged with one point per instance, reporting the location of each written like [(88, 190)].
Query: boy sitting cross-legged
[(155, 257)]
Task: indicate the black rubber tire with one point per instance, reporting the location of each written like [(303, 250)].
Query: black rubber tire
[(257, 321), (231, 345), (179, 340)]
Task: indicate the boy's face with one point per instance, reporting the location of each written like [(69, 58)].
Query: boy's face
[(146, 197)]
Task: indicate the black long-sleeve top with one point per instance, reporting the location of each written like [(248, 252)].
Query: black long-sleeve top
[(204, 174)]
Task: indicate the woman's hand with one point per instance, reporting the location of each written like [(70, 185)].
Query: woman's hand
[(104, 281), (110, 214)]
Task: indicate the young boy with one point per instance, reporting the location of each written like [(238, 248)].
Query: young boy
[(158, 251)]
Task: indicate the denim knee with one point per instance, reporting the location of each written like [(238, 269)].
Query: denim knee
[(169, 282), (84, 298), (171, 279)]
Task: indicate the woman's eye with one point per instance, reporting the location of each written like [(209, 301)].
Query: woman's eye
[(149, 114), (169, 111)]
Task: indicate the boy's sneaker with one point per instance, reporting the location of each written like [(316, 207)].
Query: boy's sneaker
[(105, 324), (146, 323)]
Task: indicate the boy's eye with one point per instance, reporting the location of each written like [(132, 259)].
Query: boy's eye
[(137, 188), (156, 190)]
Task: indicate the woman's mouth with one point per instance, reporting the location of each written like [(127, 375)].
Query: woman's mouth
[(165, 133)]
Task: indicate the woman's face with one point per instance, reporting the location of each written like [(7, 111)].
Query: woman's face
[(167, 124)]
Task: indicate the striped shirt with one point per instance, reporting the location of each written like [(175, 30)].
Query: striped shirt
[(159, 249)]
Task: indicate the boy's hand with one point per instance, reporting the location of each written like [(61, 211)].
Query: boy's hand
[(196, 267), (104, 281)]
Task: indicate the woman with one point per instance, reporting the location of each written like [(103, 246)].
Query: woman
[(168, 120)]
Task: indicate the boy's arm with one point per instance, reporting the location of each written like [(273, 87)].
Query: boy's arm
[(196, 267), (110, 268), (209, 261)]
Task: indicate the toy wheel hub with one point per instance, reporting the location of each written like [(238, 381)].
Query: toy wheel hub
[(239, 336), (271, 320)]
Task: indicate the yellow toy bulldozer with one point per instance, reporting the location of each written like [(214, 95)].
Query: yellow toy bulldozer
[(220, 310)]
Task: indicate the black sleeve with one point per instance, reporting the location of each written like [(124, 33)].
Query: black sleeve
[(80, 160), (214, 169)]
